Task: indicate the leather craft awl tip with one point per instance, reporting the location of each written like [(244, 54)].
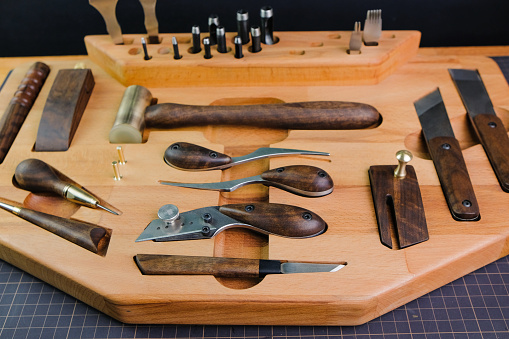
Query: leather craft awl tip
[(106, 209)]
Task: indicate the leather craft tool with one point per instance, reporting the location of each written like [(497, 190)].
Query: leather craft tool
[(92, 237), (204, 223), (267, 25), (489, 128), (355, 44), (107, 8), (195, 32), (256, 42), (447, 157), (191, 157), (397, 198), (136, 113), (243, 26), (151, 24), (157, 264), (307, 181), (213, 24), (37, 176), (372, 27), (64, 108), (238, 47), (176, 53), (221, 39), (20, 106), (206, 47), (145, 51)]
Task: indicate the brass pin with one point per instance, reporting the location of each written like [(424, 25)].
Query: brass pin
[(403, 157), (116, 171), (121, 157)]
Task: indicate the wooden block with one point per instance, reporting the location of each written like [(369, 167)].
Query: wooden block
[(64, 108), (299, 58)]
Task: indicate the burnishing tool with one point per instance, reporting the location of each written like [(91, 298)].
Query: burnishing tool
[(92, 237), (107, 8), (398, 203), (136, 113), (204, 223), (37, 176), (303, 180), (190, 157), (158, 264), (447, 157), (20, 105), (151, 24)]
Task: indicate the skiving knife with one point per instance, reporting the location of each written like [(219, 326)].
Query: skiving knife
[(308, 181), (489, 128), (157, 264), (191, 157), (204, 223), (447, 157)]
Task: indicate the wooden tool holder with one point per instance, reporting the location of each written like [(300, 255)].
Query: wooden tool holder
[(376, 280), (299, 58)]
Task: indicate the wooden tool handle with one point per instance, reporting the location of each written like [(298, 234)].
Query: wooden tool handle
[(454, 179), (283, 220), (36, 176), (493, 136), (20, 105), (155, 264), (317, 115), (188, 156), (304, 180)]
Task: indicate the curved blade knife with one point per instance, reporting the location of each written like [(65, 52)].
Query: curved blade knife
[(191, 157), (307, 181), (158, 264), (489, 128), (204, 223), (447, 157)]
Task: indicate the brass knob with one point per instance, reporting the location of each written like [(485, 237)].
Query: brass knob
[(403, 157)]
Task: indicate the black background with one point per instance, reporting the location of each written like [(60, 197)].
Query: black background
[(57, 27)]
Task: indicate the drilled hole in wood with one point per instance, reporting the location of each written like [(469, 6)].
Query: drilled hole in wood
[(301, 52), (316, 44), (163, 50), (335, 36), (134, 51)]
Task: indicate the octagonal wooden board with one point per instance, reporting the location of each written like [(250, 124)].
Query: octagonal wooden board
[(376, 279)]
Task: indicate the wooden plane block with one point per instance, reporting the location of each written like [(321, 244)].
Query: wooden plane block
[(64, 108)]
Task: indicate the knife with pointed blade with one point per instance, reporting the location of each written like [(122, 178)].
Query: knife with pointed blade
[(190, 157), (303, 180), (157, 264), (204, 223), (447, 157), (489, 128)]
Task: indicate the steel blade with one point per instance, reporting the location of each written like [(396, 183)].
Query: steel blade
[(272, 152), (472, 91), (224, 186), (433, 116), (297, 267)]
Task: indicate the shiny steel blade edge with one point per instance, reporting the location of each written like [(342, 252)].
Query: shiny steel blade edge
[(272, 152), (472, 91), (297, 267), (433, 116)]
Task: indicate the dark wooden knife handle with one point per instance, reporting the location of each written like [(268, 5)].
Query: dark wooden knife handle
[(92, 237), (316, 115), (156, 264), (184, 155), (303, 180), (283, 220), (493, 137), (20, 105), (454, 179)]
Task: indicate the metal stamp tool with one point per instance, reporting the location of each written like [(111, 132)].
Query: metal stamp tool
[(204, 223), (303, 180)]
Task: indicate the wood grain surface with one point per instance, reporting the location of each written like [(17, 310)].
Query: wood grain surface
[(376, 280)]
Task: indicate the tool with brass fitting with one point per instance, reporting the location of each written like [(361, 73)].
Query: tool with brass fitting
[(204, 223), (397, 197), (37, 176), (307, 181), (190, 157)]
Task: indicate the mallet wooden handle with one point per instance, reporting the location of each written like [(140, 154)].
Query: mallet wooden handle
[(314, 115), (20, 105)]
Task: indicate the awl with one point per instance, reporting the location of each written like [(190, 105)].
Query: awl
[(157, 264), (447, 157), (489, 128), (307, 181), (204, 223), (191, 157)]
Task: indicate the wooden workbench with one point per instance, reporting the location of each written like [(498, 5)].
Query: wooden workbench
[(376, 279)]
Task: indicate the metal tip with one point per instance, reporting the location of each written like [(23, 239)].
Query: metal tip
[(107, 209), (174, 41)]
